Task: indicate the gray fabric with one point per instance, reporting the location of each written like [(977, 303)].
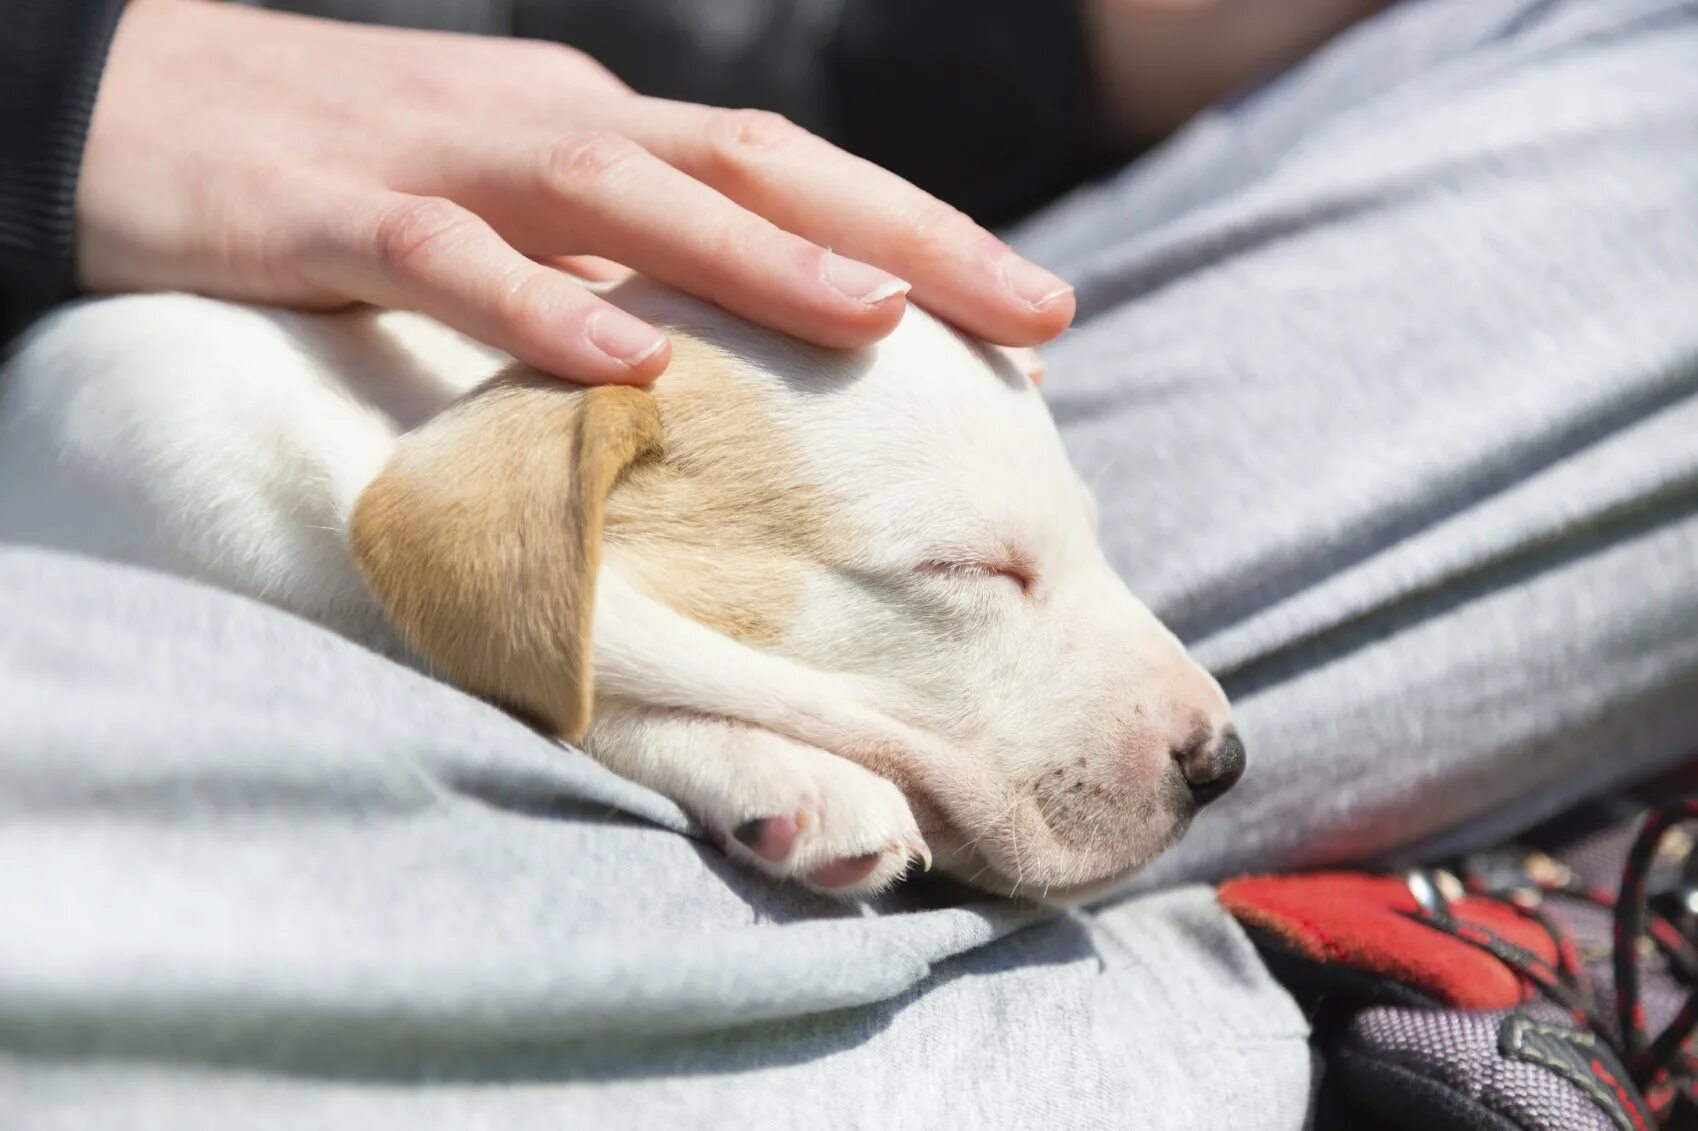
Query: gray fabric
[(255, 877), (1387, 381)]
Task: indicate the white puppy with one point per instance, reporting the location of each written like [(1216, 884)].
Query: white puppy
[(848, 609)]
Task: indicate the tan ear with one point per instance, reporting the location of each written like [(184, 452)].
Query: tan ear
[(482, 536)]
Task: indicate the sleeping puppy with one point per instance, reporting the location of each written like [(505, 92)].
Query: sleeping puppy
[(847, 609)]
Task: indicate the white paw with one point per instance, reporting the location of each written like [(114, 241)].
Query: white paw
[(804, 814), (790, 810)]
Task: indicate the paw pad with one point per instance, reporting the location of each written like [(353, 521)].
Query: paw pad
[(846, 870), (770, 838)]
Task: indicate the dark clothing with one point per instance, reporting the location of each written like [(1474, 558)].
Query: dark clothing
[(51, 56), (982, 102)]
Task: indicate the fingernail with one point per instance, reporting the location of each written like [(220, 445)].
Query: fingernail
[(1031, 284), (866, 285), (623, 338)]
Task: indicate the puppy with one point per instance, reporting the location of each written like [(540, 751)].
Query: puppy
[(848, 609)]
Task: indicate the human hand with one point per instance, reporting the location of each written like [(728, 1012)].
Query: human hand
[(284, 159)]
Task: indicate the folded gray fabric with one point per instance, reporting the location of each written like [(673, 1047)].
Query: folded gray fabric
[(1386, 379), (254, 876)]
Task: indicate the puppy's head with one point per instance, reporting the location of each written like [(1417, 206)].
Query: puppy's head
[(883, 553)]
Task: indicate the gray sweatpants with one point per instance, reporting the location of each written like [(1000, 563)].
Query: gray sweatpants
[(1387, 380)]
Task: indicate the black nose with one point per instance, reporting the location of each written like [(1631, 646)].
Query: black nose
[(1211, 765)]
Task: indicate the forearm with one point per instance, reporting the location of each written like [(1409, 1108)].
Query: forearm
[(51, 56)]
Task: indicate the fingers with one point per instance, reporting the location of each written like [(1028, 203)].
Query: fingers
[(590, 268), (807, 186), (601, 193), (436, 257), (745, 210)]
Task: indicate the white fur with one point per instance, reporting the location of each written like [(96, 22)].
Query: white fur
[(229, 444)]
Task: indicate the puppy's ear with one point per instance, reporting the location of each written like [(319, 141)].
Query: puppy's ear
[(482, 536)]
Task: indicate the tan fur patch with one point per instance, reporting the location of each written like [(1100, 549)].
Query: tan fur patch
[(484, 534), (723, 526), (482, 537)]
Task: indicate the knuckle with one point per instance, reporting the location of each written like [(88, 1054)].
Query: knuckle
[(750, 129), (738, 139), (936, 229), (586, 158), (526, 309), (408, 231), (737, 238)]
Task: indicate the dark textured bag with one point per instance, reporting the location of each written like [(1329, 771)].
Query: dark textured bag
[(1547, 986)]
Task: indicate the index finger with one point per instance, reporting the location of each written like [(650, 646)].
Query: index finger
[(804, 184)]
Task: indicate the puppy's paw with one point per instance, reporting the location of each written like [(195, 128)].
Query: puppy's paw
[(807, 815), (790, 810)]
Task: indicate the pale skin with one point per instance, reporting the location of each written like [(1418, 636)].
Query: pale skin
[(281, 159), (1157, 63)]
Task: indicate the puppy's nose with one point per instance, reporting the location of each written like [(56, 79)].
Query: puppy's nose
[(1211, 765)]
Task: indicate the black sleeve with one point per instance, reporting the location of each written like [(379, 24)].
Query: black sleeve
[(51, 56)]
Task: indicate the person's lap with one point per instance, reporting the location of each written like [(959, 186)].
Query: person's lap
[(1386, 379), (258, 877), (1382, 384)]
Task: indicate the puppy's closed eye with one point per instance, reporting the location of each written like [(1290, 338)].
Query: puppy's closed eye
[(995, 571)]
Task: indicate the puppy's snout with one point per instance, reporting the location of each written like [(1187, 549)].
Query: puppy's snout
[(1211, 763)]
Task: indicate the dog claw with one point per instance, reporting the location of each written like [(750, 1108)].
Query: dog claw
[(912, 851)]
